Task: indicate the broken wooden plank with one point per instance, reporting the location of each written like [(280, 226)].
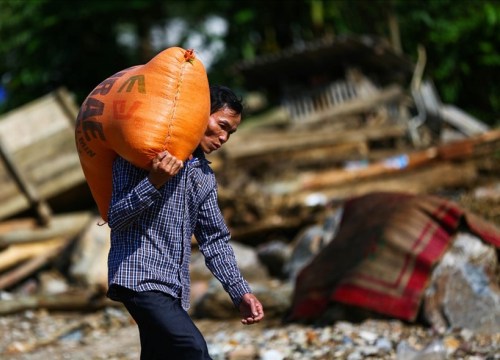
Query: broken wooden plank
[(39, 139), (317, 156), (427, 179), (269, 142), (462, 121), (16, 254), (40, 204), (404, 162), (25, 230), (28, 267), (458, 150), (255, 233)]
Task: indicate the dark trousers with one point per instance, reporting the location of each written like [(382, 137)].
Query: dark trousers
[(166, 330)]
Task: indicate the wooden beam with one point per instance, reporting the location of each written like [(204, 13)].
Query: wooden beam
[(26, 230)]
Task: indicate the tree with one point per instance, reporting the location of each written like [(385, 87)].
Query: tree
[(461, 40), (48, 43)]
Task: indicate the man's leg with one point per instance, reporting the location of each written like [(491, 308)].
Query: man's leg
[(166, 330)]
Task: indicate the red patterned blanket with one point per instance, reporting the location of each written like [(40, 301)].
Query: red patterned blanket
[(383, 254)]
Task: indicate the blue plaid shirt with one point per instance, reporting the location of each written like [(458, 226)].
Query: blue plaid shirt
[(151, 231)]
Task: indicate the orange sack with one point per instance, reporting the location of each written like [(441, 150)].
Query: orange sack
[(139, 112)]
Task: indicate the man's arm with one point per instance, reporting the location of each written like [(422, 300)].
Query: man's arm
[(133, 192), (213, 237)]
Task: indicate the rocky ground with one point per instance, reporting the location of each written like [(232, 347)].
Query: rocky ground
[(111, 334)]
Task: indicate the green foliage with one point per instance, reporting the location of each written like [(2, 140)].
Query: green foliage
[(461, 40), (51, 43), (48, 43)]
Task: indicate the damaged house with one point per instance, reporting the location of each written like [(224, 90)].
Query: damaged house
[(357, 124)]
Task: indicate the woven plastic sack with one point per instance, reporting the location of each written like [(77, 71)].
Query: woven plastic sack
[(139, 112)]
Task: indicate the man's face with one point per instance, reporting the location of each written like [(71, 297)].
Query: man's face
[(221, 124)]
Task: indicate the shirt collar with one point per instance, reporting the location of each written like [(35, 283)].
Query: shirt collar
[(198, 157)]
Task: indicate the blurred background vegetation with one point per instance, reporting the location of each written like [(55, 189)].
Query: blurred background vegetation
[(45, 44)]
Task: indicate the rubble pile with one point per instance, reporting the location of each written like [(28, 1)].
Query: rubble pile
[(285, 178)]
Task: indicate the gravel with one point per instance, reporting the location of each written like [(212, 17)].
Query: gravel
[(111, 334)]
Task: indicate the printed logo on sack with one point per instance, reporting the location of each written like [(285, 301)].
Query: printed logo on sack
[(88, 123)]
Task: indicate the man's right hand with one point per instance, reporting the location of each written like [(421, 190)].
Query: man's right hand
[(164, 167), (251, 310)]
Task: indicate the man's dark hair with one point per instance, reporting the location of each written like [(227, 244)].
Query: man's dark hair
[(221, 96)]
